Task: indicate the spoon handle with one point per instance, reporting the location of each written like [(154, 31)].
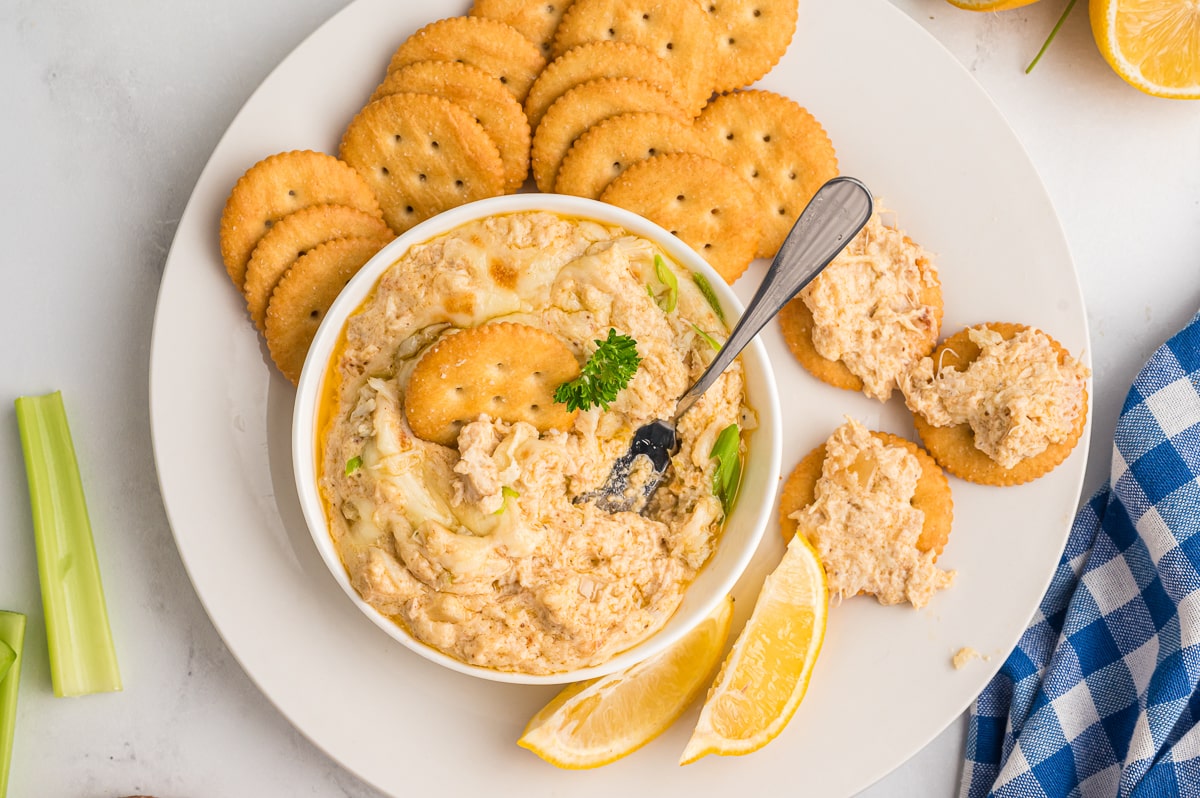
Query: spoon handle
[(835, 214)]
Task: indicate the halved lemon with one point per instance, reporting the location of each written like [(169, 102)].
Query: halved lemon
[(596, 722), (766, 674), (990, 5), (1154, 45)]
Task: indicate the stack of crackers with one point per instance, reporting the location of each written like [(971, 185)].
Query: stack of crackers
[(631, 112), (297, 226), (639, 103), (619, 100)]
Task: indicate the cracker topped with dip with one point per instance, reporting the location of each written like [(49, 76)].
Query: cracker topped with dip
[(458, 518), (877, 509), (998, 403), (870, 315)]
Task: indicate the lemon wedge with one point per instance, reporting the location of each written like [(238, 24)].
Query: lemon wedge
[(990, 5), (766, 674), (596, 722), (1154, 45)]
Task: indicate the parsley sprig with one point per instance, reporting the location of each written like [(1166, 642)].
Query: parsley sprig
[(606, 373)]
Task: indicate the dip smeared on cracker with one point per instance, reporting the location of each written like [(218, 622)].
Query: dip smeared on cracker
[(864, 524), (1020, 395), (470, 538), (876, 307)]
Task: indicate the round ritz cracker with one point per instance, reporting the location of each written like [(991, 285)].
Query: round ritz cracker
[(606, 150), (496, 48), (778, 147), (282, 184), (698, 199), (422, 154), (481, 95), (796, 323), (533, 19), (752, 36), (291, 237), (589, 62), (506, 370), (932, 496), (587, 105), (304, 295), (678, 31), (954, 447)]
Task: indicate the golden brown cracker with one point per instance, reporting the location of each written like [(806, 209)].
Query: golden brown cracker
[(752, 36), (278, 185), (496, 48), (589, 62), (778, 147), (422, 155), (536, 20), (954, 447), (796, 322), (481, 95), (678, 31), (585, 106), (303, 296), (932, 496), (607, 149), (291, 237), (505, 370), (698, 199)]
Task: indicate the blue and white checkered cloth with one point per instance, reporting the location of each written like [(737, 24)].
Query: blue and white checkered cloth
[(1100, 696)]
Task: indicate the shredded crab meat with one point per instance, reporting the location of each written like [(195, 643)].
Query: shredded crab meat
[(1017, 397), (863, 523), (867, 307)]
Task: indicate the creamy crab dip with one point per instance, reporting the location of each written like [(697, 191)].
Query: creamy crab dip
[(1019, 396), (863, 522), (873, 307), (479, 549)]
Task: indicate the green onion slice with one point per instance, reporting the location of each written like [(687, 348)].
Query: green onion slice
[(667, 278), (702, 283), (507, 493), (728, 475), (353, 464), (82, 657), (713, 342)]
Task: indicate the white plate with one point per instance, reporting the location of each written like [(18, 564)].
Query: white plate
[(909, 121)]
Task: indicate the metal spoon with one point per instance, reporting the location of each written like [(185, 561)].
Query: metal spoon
[(835, 214)]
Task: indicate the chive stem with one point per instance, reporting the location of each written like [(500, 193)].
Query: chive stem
[(1054, 32)]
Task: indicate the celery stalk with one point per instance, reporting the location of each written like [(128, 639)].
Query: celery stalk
[(12, 635), (82, 658), (7, 658)]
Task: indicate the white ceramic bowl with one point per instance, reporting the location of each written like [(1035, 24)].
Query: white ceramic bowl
[(743, 529)]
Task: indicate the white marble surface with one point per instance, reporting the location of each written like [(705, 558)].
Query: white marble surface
[(110, 111)]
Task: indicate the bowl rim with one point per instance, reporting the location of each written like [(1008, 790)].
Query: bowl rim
[(308, 391)]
